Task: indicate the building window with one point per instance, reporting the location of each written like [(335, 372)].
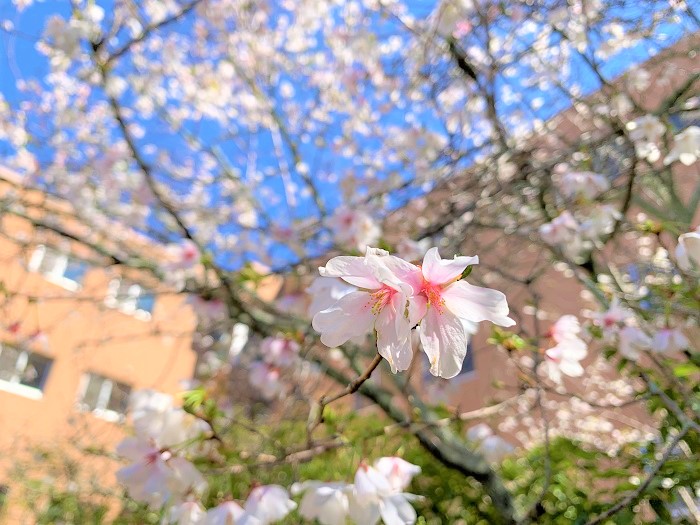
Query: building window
[(130, 298), (468, 363), (104, 397), (58, 267), (23, 372)]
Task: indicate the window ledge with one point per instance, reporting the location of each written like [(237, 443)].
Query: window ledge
[(63, 282), (21, 390), (108, 415), (141, 315)]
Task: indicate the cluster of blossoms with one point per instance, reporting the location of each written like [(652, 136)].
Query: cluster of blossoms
[(493, 447), (620, 322), (160, 472), (377, 493), (569, 350), (393, 296), (162, 476), (353, 228), (577, 234), (265, 504), (278, 353)]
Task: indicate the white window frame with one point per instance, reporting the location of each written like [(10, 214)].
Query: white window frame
[(14, 384), (57, 274), (126, 305), (103, 398)]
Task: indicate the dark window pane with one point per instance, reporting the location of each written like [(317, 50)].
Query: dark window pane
[(8, 362), (119, 400), (36, 371), (468, 364), (92, 392)]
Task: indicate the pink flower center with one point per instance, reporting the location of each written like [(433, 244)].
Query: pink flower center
[(381, 298), (433, 292)]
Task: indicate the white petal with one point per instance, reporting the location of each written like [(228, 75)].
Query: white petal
[(352, 270), (444, 341), (475, 304), (396, 510), (440, 271), (350, 317)]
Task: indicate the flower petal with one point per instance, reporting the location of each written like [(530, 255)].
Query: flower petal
[(475, 303), (351, 316), (352, 270), (445, 341), (440, 271)]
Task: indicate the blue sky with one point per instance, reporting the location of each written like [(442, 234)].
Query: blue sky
[(19, 59)]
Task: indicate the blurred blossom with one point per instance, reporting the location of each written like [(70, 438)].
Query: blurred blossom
[(688, 250), (354, 228), (686, 147), (566, 356), (492, 447)]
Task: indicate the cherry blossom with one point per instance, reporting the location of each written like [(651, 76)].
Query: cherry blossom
[(563, 229), (450, 301), (354, 228), (398, 471), (686, 147), (269, 503), (613, 318), (156, 420), (582, 183), (494, 448), (326, 502), (382, 302), (566, 355), (669, 340), (645, 132), (156, 476), (632, 342), (266, 380), (228, 513), (279, 351), (373, 498), (187, 513), (184, 256), (688, 250)]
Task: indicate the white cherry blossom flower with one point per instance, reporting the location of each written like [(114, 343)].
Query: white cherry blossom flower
[(373, 498), (686, 147), (645, 132), (632, 342), (565, 357), (229, 513), (582, 183), (269, 503), (450, 301), (494, 448), (266, 379), (688, 251), (279, 351), (326, 502), (669, 340), (354, 228), (187, 513), (381, 303), (156, 476), (397, 471)]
